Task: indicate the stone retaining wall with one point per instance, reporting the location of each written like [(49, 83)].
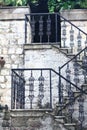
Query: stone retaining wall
[(12, 33)]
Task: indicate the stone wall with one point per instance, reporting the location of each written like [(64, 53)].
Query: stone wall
[(34, 120), (16, 55), (44, 56), (12, 33)]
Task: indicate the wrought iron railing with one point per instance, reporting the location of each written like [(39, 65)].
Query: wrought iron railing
[(76, 69), (39, 88), (47, 28), (76, 73), (44, 27), (18, 90)]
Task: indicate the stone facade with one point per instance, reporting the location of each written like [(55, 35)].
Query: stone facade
[(18, 55), (12, 33)]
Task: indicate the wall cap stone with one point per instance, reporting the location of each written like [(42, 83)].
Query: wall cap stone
[(75, 14), (13, 12), (36, 46), (32, 112)]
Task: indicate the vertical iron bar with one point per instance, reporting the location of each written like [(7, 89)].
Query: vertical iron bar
[(12, 90), (59, 86), (81, 127), (50, 90), (25, 28), (56, 26), (30, 104), (59, 94)]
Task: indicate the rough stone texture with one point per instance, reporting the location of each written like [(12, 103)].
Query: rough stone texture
[(34, 120), (43, 57), (12, 30)]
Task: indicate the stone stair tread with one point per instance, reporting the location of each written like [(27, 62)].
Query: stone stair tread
[(63, 50), (59, 117), (70, 54), (69, 124)]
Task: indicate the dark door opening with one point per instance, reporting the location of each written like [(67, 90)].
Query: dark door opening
[(47, 26)]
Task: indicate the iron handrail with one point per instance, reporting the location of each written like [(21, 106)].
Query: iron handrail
[(18, 75), (55, 39), (72, 58), (17, 96), (60, 16), (27, 69), (69, 81)]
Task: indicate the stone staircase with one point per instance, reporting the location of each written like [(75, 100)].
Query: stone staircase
[(59, 121), (68, 114)]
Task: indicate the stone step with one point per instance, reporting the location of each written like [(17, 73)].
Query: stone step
[(59, 123), (63, 50), (59, 119), (70, 126)]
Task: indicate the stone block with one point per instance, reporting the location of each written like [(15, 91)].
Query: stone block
[(19, 50), (2, 79)]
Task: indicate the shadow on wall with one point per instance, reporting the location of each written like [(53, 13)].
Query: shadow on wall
[(40, 7)]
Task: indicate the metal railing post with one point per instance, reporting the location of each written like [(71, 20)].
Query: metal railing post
[(59, 86), (25, 29), (50, 91), (56, 26)]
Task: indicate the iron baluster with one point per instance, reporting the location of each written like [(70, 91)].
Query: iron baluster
[(68, 72), (13, 91), (71, 104), (68, 76), (76, 72), (64, 34), (60, 92), (41, 28), (25, 30), (17, 97), (48, 28), (84, 65), (86, 41), (16, 84), (71, 39), (50, 90), (31, 89), (81, 111), (22, 94), (79, 37), (33, 27), (59, 86), (62, 87), (41, 89), (70, 93)]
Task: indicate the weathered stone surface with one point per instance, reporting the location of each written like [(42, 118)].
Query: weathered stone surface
[(12, 31)]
